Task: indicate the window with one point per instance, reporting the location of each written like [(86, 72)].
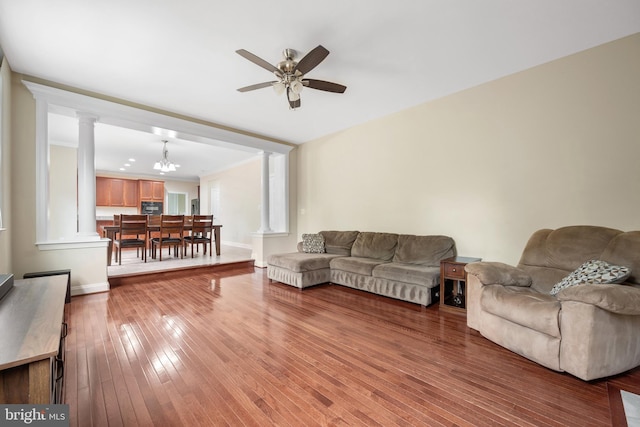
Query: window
[(177, 204)]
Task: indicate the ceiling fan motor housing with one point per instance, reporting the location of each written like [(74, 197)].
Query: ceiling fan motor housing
[(288, 65)]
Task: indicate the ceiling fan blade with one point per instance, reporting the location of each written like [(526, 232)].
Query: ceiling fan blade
[(312, 59), (258, 61), (322, 85), (256, 86), (293, 103)]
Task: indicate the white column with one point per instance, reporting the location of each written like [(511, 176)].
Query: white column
[(42, 170), (86, 175), (264, 227)]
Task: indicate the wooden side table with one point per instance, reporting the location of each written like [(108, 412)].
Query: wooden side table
[(453, 280)]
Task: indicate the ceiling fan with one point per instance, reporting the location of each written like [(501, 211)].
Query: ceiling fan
[(291, 74)]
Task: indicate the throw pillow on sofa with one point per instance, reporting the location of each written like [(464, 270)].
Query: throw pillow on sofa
[(313, 243), (595, 272)]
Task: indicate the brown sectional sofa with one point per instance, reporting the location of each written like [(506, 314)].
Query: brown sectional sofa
[(588, 330), (405, 267)]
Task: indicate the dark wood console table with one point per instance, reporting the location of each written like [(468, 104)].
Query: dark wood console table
[(31, 343)]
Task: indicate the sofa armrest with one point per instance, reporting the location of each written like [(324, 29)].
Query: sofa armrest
[(497, 273), (620, 299), (480, 274)]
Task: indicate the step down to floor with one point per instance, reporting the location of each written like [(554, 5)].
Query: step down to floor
[(126, 279)]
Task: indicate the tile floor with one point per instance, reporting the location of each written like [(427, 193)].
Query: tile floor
[(631, 404), (132, 264)]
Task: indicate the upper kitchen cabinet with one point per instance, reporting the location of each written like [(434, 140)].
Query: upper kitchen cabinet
[(151, 191), (103, 191), (116, 192), (130, 195)]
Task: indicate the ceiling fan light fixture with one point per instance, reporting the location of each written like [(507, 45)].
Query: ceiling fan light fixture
[(296, 86), (293, 96), (278, 88), (291, 74)]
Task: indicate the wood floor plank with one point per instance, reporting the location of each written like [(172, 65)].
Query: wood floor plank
[(232, 348)]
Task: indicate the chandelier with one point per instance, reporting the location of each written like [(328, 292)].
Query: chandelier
[(164, 165)]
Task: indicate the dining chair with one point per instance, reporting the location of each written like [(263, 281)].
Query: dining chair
[(201, 233), (116, 221), (171, 234), (132, 233), (154, 227)]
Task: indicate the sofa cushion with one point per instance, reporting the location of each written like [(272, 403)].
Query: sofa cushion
[(624, 249), (300, 262), (423, 250), (408, 273), (313, 243), (354, 264), (380, 246), (566, 248), (523, 306), (339, 242), (593, 271)]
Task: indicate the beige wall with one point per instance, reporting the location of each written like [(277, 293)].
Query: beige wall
[(555, 145), (240, 197), (6, 265), (63, 179)]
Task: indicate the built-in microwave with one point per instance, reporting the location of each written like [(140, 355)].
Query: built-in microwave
[(151, 208)]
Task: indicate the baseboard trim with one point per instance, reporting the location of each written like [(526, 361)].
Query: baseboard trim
[(236, 244), (91, 288)]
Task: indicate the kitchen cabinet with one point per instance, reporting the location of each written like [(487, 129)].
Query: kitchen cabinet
[(130, 196), (116, 192), (151, 191), (103, 191)]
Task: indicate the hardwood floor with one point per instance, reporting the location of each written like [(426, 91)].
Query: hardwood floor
[(231, 348)]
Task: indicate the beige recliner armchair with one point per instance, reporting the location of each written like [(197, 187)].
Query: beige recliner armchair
[(588, 330)]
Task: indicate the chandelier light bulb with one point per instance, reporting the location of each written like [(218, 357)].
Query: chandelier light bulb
[(164, 165)]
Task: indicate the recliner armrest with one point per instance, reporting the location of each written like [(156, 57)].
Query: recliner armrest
[(620, 299), (497, 273)]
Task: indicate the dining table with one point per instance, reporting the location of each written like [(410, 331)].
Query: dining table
[(110, 231)]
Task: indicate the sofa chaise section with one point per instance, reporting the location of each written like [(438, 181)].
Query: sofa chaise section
[(302, 269)]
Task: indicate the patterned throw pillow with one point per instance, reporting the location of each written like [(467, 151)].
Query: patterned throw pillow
[(313, 243), (594, 271)]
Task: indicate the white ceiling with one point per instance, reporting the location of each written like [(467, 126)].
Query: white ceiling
[(180, 56), (116, 146)]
